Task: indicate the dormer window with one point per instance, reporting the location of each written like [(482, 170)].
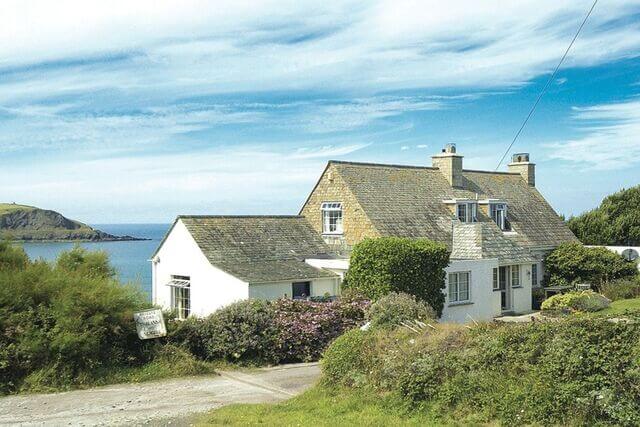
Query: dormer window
[(498, 212), (332, 218), (467, 211)]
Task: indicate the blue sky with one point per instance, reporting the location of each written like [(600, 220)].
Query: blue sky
[(139, 111)]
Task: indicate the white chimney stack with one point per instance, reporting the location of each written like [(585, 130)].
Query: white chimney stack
[(520, 164)]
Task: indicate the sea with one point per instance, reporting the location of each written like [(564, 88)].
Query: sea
[(129, 258)]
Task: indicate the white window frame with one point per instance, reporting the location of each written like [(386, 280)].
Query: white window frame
[(454, 287), (516, 273), (534, 276), (470, 213), (181, 296), (500, 220), (496, 279), (328, 209)]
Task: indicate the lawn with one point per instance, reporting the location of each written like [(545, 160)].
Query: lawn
[(620, 307), (321, 406)]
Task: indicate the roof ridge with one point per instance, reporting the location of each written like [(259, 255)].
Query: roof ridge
[(242, 216), (343, 162), (393, 165)]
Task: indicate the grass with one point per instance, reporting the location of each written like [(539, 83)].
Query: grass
[(322, 406), (10, 207), (620, 307)]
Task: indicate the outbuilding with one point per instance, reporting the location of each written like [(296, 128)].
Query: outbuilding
[(207, 262)]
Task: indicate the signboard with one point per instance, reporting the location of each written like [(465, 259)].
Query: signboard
[(150, 324)]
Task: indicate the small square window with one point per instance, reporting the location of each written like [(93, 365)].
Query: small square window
[(332, 218), (467, 211)]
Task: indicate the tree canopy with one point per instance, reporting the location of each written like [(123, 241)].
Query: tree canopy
[(615, 222)]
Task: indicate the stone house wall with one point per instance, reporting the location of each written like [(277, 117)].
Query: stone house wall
[(355, 223)]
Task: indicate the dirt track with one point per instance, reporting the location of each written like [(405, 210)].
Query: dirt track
[(168, 402)]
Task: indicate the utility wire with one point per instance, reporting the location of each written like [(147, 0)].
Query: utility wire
[(546, 86)]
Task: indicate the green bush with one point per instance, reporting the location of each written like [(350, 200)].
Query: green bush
[(243, 332), (59, 325), (347, 361), (391, 264), (574, 263), (586, 301), (85, 263), (394, 308), (622, 289), (574, 371), (12, 257)]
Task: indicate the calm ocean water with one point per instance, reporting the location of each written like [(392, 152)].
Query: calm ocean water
[(130, 259)]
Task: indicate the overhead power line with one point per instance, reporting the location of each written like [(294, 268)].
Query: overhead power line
[(546, 86)]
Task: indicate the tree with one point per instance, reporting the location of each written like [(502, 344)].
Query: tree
[(574, 263), (615, 222), (393, 264)]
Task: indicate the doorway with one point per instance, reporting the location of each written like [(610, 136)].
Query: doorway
[(504, 277)]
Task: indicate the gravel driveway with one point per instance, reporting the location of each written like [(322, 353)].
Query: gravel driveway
[(167, 402)]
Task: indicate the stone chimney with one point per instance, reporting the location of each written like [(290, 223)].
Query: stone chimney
[(520, 164), (450, 164)]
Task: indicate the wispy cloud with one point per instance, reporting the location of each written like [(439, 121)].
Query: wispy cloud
[(610, 138)]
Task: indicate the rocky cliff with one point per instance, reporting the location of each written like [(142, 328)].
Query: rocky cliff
[(28, 223)]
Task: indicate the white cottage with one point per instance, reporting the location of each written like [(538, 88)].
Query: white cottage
[(496, 224), (207, 262)]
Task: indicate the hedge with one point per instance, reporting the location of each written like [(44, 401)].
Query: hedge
[(578, 371), (392, 264)]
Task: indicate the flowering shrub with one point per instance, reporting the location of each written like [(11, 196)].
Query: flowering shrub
[(306, 328), (268, 332)]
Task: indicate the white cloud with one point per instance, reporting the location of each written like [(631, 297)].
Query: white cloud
[(404, 148), (610, 138), (190, 47), (156, 188)]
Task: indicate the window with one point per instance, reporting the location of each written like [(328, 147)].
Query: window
[(496, 284), (498, 212), (332, 218), (467, 212), (534, 275), (459, 287), (301, 290), (515, 276), (181, 295)]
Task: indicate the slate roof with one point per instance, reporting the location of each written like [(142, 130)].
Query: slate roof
[(258, 249), (407, 201), (482, 240)]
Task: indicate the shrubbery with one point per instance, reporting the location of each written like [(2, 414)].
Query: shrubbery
[(394, 308), (585, 301), (268, 332), (578, 371), (622, 289), (391, 264), (59, 325), (573, 263)]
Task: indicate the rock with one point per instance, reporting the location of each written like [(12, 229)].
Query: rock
[(28, 223)]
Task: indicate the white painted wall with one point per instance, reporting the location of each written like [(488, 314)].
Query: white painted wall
[(337, 266), (484, 304), (521, 297), (211, 288), (275, 290)]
